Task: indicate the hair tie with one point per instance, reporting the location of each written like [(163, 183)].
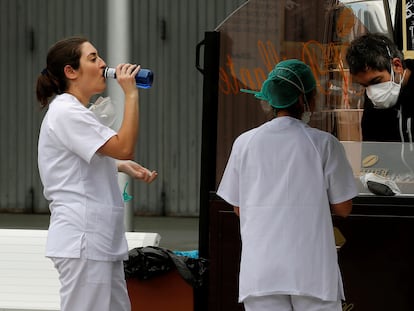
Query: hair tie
[(44, 72)]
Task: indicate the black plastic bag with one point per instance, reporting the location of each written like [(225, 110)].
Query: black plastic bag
[(146, 262), (150, 261)]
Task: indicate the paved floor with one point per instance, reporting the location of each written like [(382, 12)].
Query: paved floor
[(177, 233)]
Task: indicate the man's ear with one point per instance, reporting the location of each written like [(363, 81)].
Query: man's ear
[(397, 65), (70, 73)]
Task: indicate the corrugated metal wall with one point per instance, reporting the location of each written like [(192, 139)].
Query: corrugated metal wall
[(164, 35), (27, 28)]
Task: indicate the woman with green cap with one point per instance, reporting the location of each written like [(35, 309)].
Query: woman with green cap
[(284, 179)]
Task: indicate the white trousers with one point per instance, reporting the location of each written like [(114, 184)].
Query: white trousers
[(290, 303), (89, 285)]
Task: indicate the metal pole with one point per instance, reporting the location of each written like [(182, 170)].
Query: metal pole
[(118, 52)]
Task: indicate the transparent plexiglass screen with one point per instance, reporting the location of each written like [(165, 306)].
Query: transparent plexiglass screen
[(259, 34)]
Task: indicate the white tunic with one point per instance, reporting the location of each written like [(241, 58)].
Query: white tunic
[(283, 175), (81, 185)]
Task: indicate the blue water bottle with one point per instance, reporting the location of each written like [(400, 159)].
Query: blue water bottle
[(143, 78)]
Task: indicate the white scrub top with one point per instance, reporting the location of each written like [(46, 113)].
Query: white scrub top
[(283, 175), (81, 185)]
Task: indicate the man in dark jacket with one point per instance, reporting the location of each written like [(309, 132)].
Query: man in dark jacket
[(376, 63)]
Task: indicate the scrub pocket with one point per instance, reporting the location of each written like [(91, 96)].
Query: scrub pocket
[(105, 232)]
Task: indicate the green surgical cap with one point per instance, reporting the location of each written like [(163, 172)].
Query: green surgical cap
[(285, 83)]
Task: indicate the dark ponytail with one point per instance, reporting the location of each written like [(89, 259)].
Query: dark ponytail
[(52, 80)]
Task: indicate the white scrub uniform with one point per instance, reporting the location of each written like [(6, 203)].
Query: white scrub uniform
[(87, 210), (283, 175)]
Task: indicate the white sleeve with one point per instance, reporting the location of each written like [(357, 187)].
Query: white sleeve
[(79, 130), (229, 184), (338, 174)]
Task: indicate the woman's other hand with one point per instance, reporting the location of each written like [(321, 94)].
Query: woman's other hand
[(137, 171)]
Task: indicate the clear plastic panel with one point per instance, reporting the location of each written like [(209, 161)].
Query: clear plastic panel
[(392, 160), (260, 33)]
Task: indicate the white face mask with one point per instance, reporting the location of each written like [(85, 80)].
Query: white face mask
[(104, 109), (385, 95), (306, 116)]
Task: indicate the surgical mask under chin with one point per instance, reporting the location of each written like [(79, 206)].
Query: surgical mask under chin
[(385, 95), (306, 116), (104, 110)]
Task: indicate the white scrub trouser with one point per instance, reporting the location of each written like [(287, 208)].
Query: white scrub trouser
[(89, 285), (290, 303)]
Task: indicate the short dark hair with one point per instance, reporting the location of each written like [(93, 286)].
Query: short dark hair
[(371, 51)]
